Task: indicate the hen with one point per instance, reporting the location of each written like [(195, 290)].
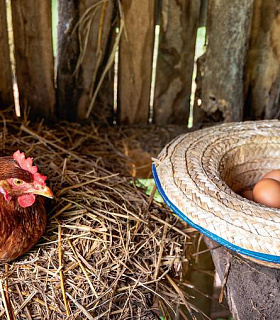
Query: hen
[(22, 214)]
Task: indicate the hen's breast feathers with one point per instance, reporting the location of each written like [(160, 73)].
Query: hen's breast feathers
[(20, 228)]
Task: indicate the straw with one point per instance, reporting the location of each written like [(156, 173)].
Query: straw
[(103, 254)]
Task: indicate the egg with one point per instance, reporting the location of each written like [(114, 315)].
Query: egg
[(267, 192), (274, 174), (247, 193)]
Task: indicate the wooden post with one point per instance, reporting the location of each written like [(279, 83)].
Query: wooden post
[(179, 21), (135, 67), (228, 29), (34, 56), (6, 85), (262, 87), (83, 35)]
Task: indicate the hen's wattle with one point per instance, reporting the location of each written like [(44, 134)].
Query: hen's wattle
[(22, 210)]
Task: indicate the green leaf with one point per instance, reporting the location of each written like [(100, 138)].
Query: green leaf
[(149, 184)]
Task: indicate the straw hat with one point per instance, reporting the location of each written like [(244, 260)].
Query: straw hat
[(200, 174)]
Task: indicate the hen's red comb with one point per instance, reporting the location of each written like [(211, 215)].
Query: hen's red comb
[(27, 164)]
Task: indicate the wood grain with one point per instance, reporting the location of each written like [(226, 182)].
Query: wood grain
[(34, 55), (135, 67), (179, 21), (68, 86), (228, 29), (262, 87), (84, 31), (248, 286), (94, 51), (6, 86)]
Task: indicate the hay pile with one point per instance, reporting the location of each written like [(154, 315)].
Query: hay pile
[(109, 252)]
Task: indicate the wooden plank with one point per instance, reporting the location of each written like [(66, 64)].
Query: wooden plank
[(68, 86), (6, 85), (262, 87), (135, 67), (228, 27), (34, 56), (103, 108), (179, 22), (94, 55), (84, 30)]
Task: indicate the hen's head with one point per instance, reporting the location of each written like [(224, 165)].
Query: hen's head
[(20, 180)]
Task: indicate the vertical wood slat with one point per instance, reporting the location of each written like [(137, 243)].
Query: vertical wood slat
[(6, 84), (34, 56), (94, 51), (83, 32), (68, 88), (135, 67), (228, 28), (262, 85), (179, 21)]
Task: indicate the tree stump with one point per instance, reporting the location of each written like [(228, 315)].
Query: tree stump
[(251, 289)]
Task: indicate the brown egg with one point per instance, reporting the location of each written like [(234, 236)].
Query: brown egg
[(247, 193), (267, 192), (274, 174)]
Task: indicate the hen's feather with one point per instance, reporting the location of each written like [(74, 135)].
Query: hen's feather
[(10, 169), (20, 228)]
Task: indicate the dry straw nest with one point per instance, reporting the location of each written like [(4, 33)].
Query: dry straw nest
[(201, 173), (109, 251)]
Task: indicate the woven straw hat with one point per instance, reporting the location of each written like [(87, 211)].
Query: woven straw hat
[(200, 174)]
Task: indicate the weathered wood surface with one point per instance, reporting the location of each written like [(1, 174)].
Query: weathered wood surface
[(252, 290), (94, 36), (6, 85), (135, 67), (179, 22), (83, 32), (34, 55), (68, 86), (262, 87), (228, 29)]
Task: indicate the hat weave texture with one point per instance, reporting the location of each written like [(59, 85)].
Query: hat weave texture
[(200, 174)]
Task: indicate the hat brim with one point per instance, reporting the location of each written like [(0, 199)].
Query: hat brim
[(177, 195)]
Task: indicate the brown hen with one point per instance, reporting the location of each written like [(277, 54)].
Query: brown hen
[(22, 211)]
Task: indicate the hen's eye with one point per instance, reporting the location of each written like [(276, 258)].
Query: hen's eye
[(17, 182)]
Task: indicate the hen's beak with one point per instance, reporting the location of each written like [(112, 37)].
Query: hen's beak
[(43, 191)]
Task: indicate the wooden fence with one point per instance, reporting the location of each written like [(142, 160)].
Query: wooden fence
[(237, 78)]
